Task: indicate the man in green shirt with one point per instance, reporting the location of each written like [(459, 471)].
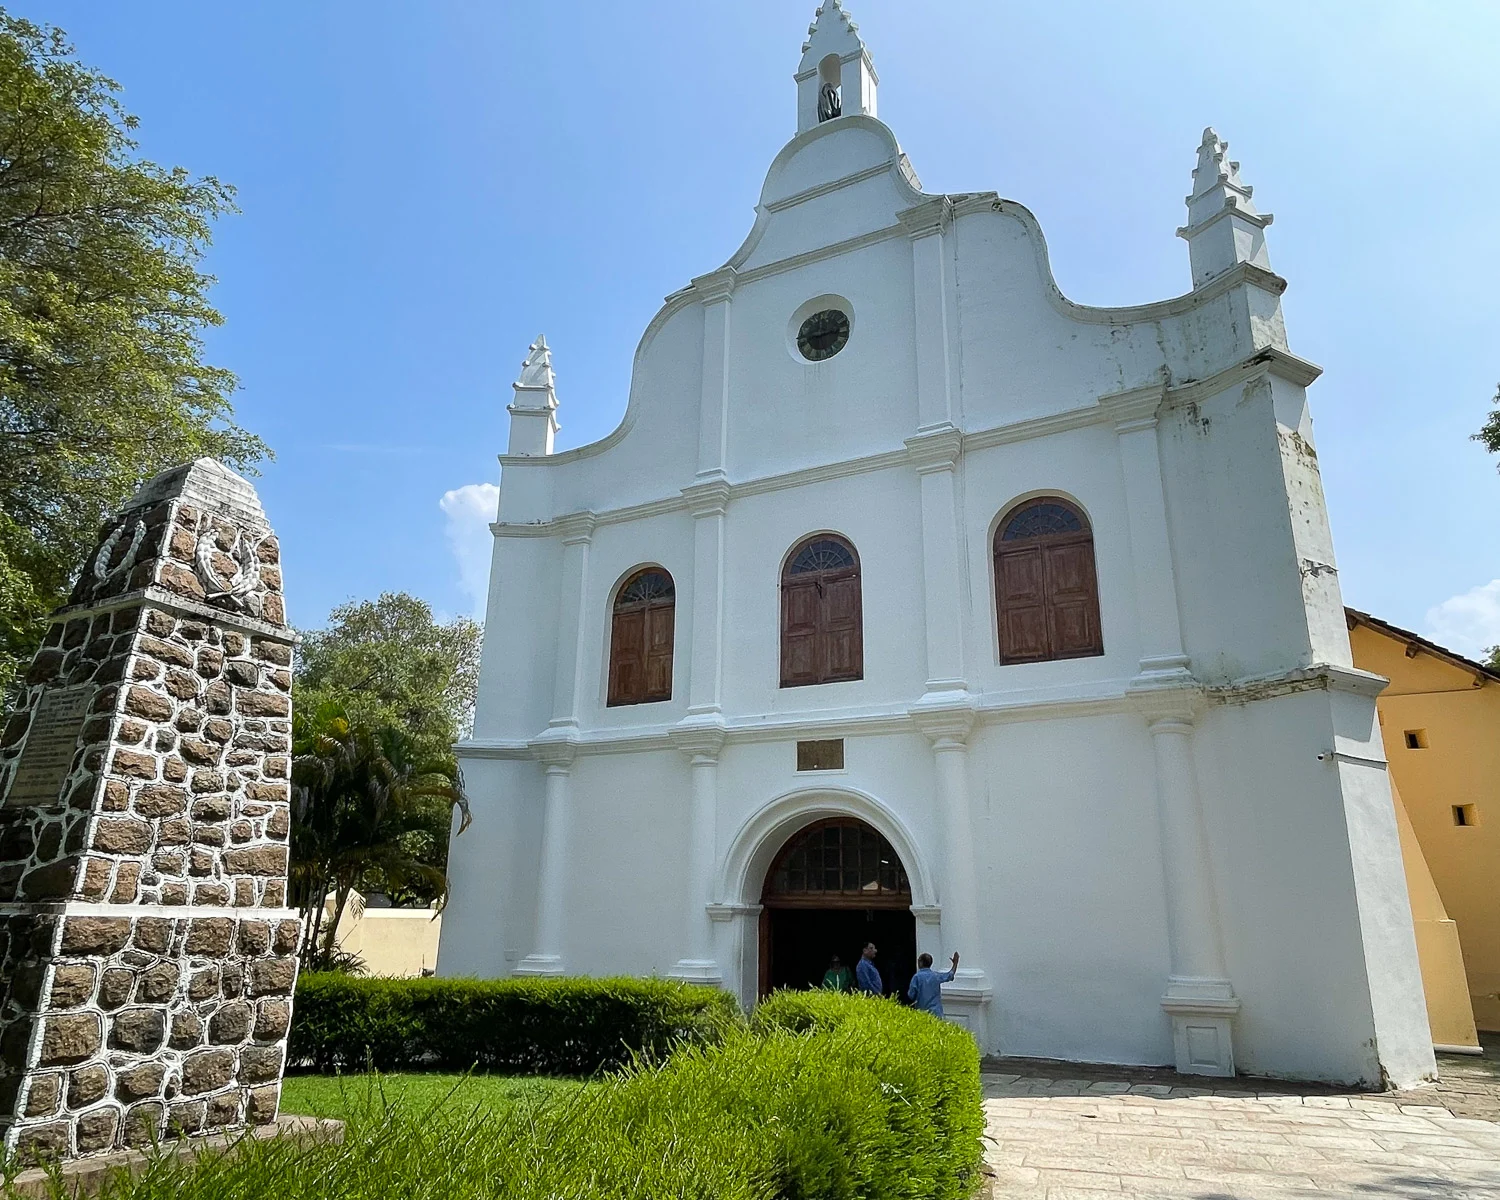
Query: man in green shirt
[(837, 977)]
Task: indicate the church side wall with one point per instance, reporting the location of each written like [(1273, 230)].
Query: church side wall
[(519, 659), (1280, 843), (1073, 915), (492, 871), (1238, 579)]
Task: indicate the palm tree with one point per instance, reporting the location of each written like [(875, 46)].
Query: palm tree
[(361, 799)]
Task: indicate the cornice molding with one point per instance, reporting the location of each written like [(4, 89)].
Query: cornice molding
[(1269, 361), (708, 497), (698, 738), (716, 286), (832, 185), (577, 528), (1134, 409), (935, 449), (933, 215)]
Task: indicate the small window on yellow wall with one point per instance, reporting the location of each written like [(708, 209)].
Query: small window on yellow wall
[(1465, 814), (1416, 739)]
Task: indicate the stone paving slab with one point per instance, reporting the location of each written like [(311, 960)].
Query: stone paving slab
[(1058, 1131)]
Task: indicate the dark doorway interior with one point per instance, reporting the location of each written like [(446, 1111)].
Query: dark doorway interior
[(800, 942)]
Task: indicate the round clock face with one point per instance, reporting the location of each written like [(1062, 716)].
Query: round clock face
[(823, 334)]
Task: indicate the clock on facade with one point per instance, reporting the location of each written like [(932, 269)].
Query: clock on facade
[(823, 334)]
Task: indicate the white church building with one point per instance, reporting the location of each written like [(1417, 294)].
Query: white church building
[(911, 602)]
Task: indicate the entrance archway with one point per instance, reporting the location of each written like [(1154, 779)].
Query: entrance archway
[(835, 885)]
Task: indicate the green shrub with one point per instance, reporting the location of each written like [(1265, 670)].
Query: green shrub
[(515, 1026), (818, 1098)]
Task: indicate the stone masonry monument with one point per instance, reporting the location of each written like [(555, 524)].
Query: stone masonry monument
[(147, 953)]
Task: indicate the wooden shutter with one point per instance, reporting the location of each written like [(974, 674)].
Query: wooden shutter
[(627, 658), (800, 645), (1022, 601), (822, 625), (1072, 600), (841, 635), (660, 619), (640, 639), (1046, 589)]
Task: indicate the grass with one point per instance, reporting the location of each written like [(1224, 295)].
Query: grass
[(341, 1096)]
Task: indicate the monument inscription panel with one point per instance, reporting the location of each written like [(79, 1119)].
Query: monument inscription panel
[(50, 744)]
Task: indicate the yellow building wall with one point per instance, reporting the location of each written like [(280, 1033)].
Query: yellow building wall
[(400, 942), (1450, 1012), (1459, 766)]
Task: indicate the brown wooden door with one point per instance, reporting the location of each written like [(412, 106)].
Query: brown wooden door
[(1046, 589), (822, 622), (843, 637), (1020, 580), (1072, 600), (640, 639), (801, 649)]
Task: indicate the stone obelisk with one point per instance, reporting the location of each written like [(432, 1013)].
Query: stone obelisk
[(147, 953)]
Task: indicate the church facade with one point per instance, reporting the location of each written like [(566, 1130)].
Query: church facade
[(912, 603)]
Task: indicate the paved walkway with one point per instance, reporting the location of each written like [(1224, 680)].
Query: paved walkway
[(1064, 1132)]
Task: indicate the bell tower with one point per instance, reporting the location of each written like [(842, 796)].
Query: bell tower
[(835, 77)]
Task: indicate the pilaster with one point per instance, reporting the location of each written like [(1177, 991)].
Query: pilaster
[(935, 454), (715, 290), (556, 751), (966, 999), (1157, 614), (699, 741), (925, 224), (709, 502), (577, 531), (1199, 997)]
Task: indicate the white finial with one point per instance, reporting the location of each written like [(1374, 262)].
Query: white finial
[(835, 69), (1223, 227), (536, 369), (1215, 170), (533, 413)]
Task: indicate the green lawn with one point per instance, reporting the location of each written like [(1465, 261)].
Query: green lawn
[(338, 1095)]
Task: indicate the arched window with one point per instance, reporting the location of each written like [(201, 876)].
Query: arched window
[(822, 625), (640, 639), (837, 863), (1046, 593)]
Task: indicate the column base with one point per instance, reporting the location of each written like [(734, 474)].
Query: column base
[(966, 1002), (1202, 1012), (540, 964), (697, 970)]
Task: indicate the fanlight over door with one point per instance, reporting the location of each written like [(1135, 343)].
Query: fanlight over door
[(838, 863), (1046, 592), (822, 620)]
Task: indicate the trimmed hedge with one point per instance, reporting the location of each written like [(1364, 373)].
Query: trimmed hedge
[(515, 1026), (818, 1097)]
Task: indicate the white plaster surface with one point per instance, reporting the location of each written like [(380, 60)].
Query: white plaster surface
[(969, 383)]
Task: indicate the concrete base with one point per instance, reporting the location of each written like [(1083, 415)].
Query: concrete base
[(698, 970), (1202, 1036), (966, 1001), (87, 1176), (540, 964)]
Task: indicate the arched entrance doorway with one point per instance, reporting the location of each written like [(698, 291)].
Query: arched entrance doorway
[(835, 885)]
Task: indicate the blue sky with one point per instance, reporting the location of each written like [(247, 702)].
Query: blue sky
[(426, 186)]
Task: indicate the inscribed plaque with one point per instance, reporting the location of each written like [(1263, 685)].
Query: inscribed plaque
[(50, 744)]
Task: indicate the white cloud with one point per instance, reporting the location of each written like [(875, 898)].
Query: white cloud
[(1468, 623), (469, 510)]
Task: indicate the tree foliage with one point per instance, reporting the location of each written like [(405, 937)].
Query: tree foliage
[(103, 307), (389, 661), (362, 805), (379, 697), (1489, 432)]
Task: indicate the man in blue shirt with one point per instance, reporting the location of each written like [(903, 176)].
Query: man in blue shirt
[(866, 975), (926, 990)]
